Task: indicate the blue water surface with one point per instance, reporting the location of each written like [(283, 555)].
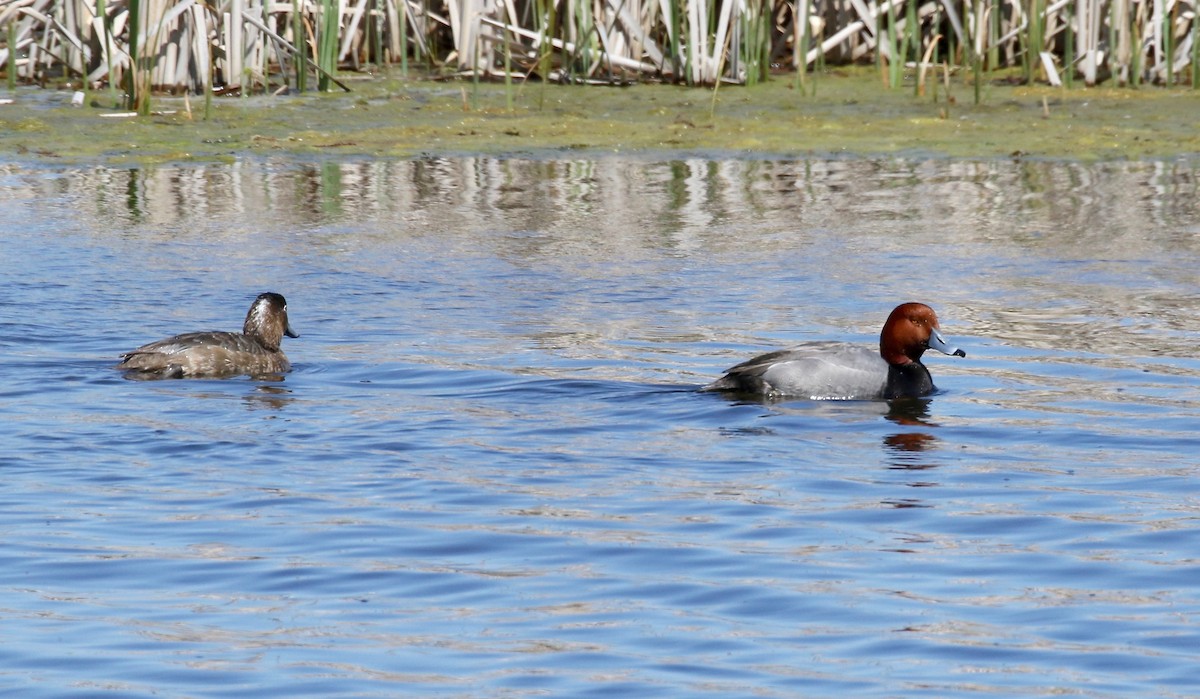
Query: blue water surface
[(491, 474)]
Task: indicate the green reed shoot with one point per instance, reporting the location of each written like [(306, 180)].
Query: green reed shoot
[(993, 34), (763, 39), (208, 91), (973, 45), (762, 43), (579, 61), (686, 54), (1068, 50), (1195, 47), (952, 48), (1035, 32), (896, 62), (912, 39), (1135, 66), (819, 68), (547, 17), (327, 43), (475, 71), (12, 55), (139, 77), (508, 83), (676, 10), (299, 40), (800, 63), (373, 30), (977, 72), (130, 86), (756, 48)]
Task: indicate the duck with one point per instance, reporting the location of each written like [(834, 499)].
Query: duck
[(846, 371), (254, 351)]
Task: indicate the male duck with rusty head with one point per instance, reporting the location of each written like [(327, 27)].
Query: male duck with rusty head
[(846, 371)]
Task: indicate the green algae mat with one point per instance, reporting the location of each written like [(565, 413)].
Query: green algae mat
[(844, 113)]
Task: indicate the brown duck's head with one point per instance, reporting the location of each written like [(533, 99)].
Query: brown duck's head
[(267, 320)]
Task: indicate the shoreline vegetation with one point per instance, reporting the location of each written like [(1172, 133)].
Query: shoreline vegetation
[(850, 116), (406, 78), (139, 48)]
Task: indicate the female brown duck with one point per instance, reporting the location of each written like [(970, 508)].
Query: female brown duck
[(254, 351)]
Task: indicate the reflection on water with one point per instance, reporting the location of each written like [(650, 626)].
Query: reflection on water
[(490, 472), (915, 437), (1032, 202)]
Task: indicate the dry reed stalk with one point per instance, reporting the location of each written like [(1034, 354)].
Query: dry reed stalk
[(698, 42), (925, 64)]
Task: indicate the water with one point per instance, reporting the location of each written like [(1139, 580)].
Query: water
[(490, 473)]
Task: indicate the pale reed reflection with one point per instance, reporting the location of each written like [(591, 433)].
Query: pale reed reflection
[(1016, 200)]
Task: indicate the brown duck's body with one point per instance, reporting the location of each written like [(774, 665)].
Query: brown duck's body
[(254, 351)]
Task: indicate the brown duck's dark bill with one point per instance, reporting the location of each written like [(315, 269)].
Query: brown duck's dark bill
[(287, 330)]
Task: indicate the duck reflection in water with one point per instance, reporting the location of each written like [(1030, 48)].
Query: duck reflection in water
[(907, 447), (266, 397)]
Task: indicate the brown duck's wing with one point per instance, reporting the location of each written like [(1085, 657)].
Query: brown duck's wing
[(195, 354), (189, 341)]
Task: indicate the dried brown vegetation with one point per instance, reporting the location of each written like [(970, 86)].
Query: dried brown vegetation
[(250, 45)]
